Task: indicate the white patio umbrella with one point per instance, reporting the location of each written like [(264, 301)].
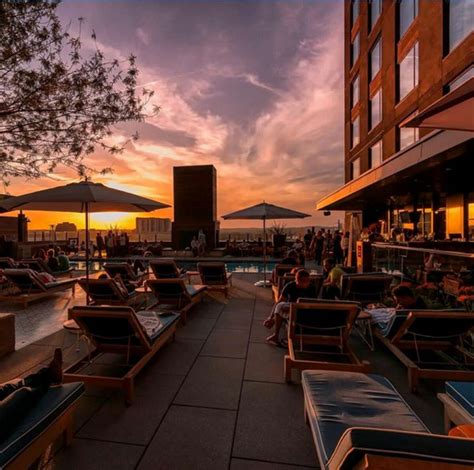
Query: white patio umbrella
[(84, 197), (264, 212)]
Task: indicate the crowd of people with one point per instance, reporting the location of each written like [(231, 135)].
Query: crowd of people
[(114, 244), (324, 244), (198, 244), (55, 258), (403, 297)]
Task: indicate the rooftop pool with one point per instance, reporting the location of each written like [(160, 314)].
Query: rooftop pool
[(231, 266)]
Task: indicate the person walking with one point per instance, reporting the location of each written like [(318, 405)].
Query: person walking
[(202, 242), (345, 248), (337, 248), (99, 240)]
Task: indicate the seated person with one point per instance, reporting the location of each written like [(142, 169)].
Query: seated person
[(137, 266), (298, 245), (19, 397), (41, 254), (52, 261), (301, 287), (405, 299), (332, 283), (291, 258), (63, 262)]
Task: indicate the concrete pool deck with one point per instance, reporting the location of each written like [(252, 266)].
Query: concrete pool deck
[(215, 398)]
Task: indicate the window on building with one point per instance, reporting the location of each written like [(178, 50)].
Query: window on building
[(461, 21), (355, 7), (355, 132), (355, 168), (374, 12), (375, 109), (407, 12), (355, 49), (424, 225), (355, 91), (408, 72), (375, 155), (407, 136), (375, 59), (462, 78)]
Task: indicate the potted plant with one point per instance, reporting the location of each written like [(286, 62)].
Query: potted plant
[(278, 235)]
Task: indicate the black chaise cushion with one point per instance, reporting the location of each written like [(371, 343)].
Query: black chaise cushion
[(55, 402), (338, 401)]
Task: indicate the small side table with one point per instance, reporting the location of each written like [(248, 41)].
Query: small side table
[(454, 413), (363, 327), (74, 328)]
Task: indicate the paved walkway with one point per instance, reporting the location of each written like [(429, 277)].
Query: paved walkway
[(215, 398)]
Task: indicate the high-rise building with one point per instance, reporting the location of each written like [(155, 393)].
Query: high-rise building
[(151, 225), (195, 204), (400, 57)]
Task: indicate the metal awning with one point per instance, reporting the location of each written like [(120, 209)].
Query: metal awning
[(453, 111), (427, 165)]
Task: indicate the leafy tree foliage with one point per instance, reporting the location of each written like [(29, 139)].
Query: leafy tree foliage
[(57, 103)]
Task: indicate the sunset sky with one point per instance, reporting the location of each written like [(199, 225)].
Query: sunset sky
[(252, 87)]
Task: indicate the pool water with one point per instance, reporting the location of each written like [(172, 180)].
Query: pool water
[(232, 266)]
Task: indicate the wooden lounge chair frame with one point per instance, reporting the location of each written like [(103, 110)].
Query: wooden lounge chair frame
[(399, 345), (128, 274), (277, 278), (349, 293), (317, 279), (121, 299), (183, 302), (221, 282), (297, 341), (8, 263), (63, 426), (177, 272), (42, 291), (145, 351)]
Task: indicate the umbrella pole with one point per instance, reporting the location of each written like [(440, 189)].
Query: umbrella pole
[(87, 251), (264, 253)]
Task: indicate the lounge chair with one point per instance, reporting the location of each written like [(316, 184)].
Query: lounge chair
[(431, 344), (365, 288), (7, 263), (32, 288), (175, 294), (136, 336), (215, 277), (107, 292), (458, 401), (318, 336), (125, 271), (41, 266), (167, 269), (51, 418), (277, 278), (360, 421), (316, 280)]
